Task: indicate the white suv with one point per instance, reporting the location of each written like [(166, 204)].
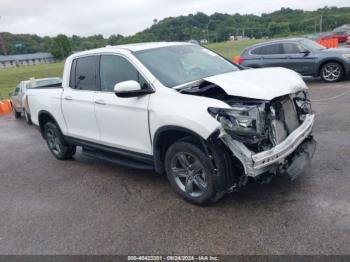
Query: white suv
[(179, 109)]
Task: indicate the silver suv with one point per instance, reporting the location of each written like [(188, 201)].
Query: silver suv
[(19, 96)]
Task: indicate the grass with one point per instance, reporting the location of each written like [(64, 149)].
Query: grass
[(10, 77), (232, 48)]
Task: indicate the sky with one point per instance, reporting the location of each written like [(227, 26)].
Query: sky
[(126, 17)]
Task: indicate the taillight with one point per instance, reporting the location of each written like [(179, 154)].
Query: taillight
[(240, 60)]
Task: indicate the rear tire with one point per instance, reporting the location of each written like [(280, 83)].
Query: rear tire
[(17, 114), (56, 143), (28, 118), (190, 173), (331, 72)]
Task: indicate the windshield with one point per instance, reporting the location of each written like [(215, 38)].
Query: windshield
[(312, 45), (177, 65)]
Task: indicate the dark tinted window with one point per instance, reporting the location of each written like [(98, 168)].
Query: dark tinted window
[(291, 48), (72, 74), (85, 73), (115, 69), (272, 49)]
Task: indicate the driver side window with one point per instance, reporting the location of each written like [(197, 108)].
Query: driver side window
[(115, 69)]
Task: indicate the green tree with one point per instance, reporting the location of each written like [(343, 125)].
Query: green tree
[(62, 46), (114, 39)]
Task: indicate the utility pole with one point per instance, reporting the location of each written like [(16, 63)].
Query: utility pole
[(208, 32), (2, 43), (321, 23)]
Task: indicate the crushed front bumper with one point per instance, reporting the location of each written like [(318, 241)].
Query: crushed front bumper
[(257, 163)]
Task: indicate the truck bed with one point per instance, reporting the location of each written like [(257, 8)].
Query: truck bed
[(46, 98)]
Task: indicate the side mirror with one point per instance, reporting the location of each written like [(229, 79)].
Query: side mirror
[(130, 88), (305, 52)]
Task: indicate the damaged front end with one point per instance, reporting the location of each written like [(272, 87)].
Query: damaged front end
[(268, 129), (268, 137)]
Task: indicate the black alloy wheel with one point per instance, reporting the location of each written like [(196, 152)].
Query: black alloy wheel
[(58, 147), (190, 173)]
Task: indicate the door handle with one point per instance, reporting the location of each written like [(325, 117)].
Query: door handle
[(100, 102), (68, 98)]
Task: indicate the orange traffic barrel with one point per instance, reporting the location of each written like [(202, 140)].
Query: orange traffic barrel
[(336, 43), (5, 107)]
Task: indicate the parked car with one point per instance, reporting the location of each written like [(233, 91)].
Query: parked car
[(302, 55), (348, 41), (19, 96), (317, 36), (182, 110), (342, 36)]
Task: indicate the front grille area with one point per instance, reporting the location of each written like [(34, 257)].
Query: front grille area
[(290, 115)]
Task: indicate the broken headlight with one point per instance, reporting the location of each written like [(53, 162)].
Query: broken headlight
[(242, 120), (303, 104)]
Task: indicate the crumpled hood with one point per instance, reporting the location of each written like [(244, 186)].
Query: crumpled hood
[(264, 83)]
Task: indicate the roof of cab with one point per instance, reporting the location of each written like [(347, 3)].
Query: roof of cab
[(145, 46), (131, 47)]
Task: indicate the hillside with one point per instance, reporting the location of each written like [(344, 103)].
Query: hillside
[(218, 27)]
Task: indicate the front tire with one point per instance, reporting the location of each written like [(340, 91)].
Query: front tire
[(332, 72), (190, 173), (16, 113), (56, 143)]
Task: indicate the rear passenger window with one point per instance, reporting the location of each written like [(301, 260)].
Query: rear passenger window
[(291, 48), (115, 69), (273, 49), (85, 73)]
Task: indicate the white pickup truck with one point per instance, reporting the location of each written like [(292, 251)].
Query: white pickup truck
[(179, 109)]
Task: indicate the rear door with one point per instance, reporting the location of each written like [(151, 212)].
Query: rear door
[(78, 99), (271, 55), (123, 122), (297, 59)]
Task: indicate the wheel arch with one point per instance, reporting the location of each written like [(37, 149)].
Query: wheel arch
[(329, 60), (166, 136), (45, 117)]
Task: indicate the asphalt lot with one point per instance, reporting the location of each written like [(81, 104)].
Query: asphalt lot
[(85, 206)]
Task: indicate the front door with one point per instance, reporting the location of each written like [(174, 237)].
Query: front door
[(298, 59), (123, 122)]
